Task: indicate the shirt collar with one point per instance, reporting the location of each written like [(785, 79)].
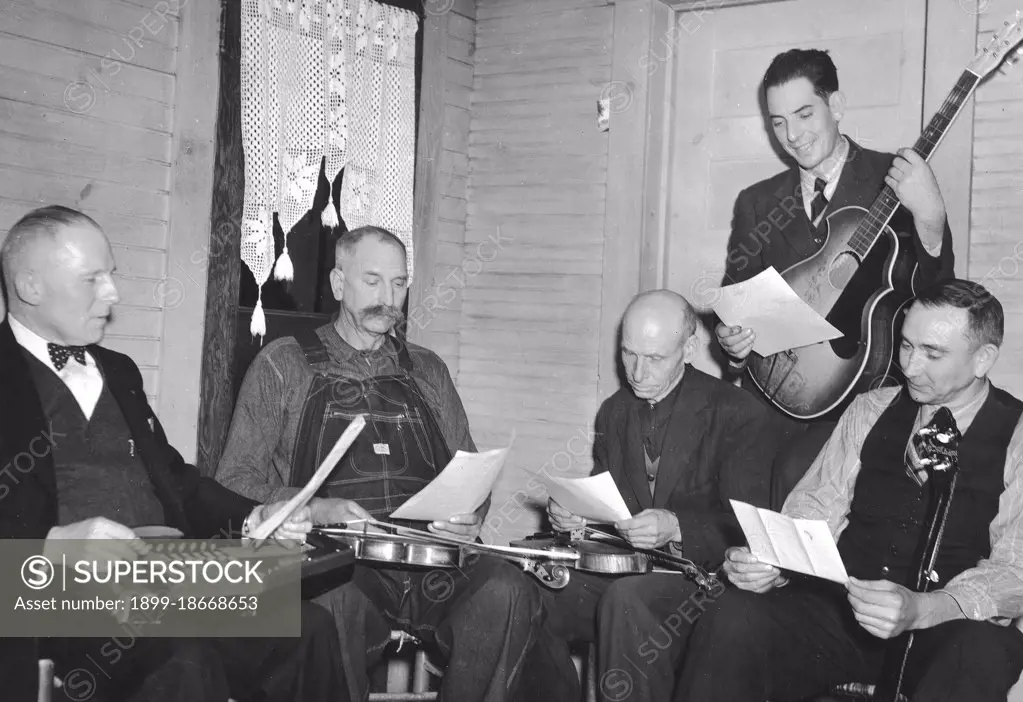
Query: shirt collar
[(964, 414), (344, 351), (31, 342), (829, 169), (37, 345)]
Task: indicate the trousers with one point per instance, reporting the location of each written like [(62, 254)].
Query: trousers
[(150, 669), (640, 623), (797, 641), (483, 620)]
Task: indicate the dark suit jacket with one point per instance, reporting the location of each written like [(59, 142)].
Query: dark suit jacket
[(717, 447), (770, 226), (199, 507)]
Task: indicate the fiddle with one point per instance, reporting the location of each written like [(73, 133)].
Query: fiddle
[(608, 554), (415, 548)]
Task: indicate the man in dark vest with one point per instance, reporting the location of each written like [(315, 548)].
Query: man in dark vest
[(101, 467), (781, 637), (299, 395), (781, 221)]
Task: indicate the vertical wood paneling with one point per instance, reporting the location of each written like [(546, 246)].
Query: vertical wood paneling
[(223, 272), (441, 183), (195, 109), (530, 317), (996, 241)]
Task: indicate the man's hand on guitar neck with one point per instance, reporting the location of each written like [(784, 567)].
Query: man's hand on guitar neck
[(887, 609), (913, 181), (737, 342)]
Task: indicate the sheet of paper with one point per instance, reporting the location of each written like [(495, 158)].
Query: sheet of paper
[(820, 544), (344, 442), (595, 498), (460, 488), (801, 545), (756, 533), (769, 306)]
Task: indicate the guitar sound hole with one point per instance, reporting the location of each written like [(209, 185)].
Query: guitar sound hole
[(842, 270)]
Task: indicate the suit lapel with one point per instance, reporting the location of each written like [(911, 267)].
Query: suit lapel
[(855, 177), (686, 430), (634, 456), (21, 416), (798, 234)]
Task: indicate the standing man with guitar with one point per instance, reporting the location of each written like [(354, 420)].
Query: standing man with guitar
[(781, 221), (787, 640)]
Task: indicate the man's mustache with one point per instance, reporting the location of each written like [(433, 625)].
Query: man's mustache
[(384, 311)]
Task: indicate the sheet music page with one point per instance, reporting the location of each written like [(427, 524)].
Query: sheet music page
[(801, 545), (460, 488), (820, 545), (595, 498), (769, 306), (756, 533), (784, 536)]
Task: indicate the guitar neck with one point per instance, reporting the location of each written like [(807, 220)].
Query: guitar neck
[(887, 202)]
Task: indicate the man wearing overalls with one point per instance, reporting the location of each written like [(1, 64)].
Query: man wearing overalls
[(296, 400)]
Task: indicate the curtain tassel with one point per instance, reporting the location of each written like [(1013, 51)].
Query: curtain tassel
[(258, 325), (329, 216), (284, 269)]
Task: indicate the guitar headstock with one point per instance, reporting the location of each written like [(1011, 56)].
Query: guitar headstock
[(1003, 44), (937, 445)]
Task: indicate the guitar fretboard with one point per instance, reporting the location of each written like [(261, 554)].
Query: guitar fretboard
[(872, 224)]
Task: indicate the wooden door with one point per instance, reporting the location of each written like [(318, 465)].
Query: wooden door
[(721, 140)]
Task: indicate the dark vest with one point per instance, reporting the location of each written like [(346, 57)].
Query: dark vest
[(399, 451), (98, 470), (888, 512)]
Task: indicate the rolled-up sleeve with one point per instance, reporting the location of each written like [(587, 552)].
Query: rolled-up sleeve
[(826, 491), (993, 590)]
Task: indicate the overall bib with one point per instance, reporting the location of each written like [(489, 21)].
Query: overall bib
[(480, 617)]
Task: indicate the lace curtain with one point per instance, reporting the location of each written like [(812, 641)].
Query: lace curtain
[(324, 79)]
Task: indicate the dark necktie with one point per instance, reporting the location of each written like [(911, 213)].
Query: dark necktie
[(819, 201), (60, 354)]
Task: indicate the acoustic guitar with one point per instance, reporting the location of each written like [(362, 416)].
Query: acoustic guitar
[(862, 279)]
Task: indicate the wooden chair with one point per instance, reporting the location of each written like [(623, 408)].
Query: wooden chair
[(424, 670)]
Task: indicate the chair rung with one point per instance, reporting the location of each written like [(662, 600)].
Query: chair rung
[(401, 696)]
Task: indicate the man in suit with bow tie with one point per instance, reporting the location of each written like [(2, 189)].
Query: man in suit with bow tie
[(679, 444), (101, 466), (780, 221)]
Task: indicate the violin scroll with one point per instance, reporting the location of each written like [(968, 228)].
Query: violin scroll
[(553, 575)]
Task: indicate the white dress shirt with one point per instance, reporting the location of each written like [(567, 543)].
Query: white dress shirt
[(830, 169), (84, 382)]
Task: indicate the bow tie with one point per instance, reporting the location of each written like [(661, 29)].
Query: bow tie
[(60, 354)]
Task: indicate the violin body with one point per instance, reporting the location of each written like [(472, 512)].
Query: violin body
[(593, 556), (397, 550), (612, 555), (430, 551)]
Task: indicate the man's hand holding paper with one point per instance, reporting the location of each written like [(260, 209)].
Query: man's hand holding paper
[(594, 499), (747, 572), (453, 501), (778, 317)]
